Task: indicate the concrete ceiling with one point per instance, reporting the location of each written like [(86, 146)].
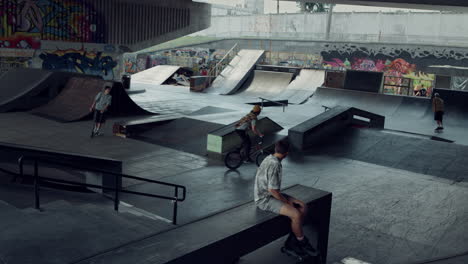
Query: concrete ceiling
[(443, 5)]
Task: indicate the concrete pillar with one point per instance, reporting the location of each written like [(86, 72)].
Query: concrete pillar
[(329, 21)]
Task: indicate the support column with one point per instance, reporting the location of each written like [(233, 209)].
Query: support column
[(329, 21)]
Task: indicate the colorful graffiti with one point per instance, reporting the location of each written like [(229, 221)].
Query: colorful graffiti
[(293, 60), (20, 41), (130, 64), (24, 23), (396, 71), (81, 61), (197, 59)]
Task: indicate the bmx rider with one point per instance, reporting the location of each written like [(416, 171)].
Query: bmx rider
[(243, 125)]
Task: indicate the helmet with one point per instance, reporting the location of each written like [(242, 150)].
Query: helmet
[(436, 95), (256, 109)]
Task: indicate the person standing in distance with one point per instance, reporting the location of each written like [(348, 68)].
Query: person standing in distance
[(101, 102), (438, 108)]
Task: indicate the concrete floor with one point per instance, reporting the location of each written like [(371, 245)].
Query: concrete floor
[(381, 213)]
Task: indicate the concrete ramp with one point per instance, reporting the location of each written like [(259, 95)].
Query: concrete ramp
[(456, 106), (380, 104), (73, 102), (268, 84), (236, 73), (157, 75), (20, 89), (303, 87)]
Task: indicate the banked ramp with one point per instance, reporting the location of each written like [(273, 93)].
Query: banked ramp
[(157, 75), (268, 84), (236, 73), (73, 102), (20, 89), (303, 87)]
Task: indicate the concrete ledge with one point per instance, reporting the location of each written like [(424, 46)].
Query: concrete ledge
[(327, 124), (232, 234), (226, 139)]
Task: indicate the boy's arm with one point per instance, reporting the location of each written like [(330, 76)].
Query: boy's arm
[(274, 184), (279, 196), (92, 106), (255, 130)]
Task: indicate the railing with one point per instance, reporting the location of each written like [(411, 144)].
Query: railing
[(117, 190), (221, 65), (274, 102)]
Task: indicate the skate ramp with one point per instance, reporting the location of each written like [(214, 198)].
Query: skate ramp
[(456, 106), (26, 89), (73, 102), (21, 89), (382, 104), (157, 75), (267, 84), (303, 87), (404, 113), (236, 73)]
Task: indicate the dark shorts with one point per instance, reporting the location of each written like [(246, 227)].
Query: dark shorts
[(439, 116), (99, 117)]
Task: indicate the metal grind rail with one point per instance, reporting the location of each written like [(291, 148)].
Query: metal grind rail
[(274, 102), (117, 190)]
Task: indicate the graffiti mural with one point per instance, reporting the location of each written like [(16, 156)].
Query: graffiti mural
[(24, 23), (293, 60), (81, 61), (397, 64), (20, 41), (130, 63), (197, 59)]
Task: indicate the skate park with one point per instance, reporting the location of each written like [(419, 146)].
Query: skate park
[(382, 186)]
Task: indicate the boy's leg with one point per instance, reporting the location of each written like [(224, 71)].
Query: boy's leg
[(245, 142), (296, 219), (302, 240), (300, 205)]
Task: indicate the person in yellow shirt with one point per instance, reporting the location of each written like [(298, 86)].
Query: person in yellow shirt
[(438, 108)]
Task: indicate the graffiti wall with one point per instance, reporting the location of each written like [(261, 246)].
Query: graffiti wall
[(24, 23), (80, 61), (293, 59), (197, 59)]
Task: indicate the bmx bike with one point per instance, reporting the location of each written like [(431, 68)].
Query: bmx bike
[(235, 158)]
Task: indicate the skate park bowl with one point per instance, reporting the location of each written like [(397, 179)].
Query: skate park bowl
[(225, 139), (229, 240), (329, 123)]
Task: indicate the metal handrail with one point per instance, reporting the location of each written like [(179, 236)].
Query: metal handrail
[(215, 68), (219, 67), (117, 190), (275, 102)]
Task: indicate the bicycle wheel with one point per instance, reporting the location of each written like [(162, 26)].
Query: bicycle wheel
[(260, 157), (233, 160)]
